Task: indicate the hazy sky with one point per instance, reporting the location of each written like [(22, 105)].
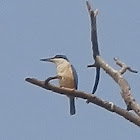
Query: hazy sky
[(34, 29)]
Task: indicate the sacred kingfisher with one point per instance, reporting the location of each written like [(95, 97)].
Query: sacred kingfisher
[(67, 72)]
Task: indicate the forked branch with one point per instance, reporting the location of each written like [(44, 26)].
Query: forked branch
[(116, 75)]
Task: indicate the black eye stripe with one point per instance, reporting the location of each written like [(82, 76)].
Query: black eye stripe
[(61, 56)]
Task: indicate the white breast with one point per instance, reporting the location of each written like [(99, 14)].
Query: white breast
[(64, 70)]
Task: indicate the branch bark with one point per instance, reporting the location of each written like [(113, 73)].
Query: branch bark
[(116, 75), (89, 97)]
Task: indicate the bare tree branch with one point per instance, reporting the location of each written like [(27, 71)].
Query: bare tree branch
[(124, 67), (91, 98), (116, 75), (95, 47)]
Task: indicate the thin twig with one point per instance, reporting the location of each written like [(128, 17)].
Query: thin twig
[(124, 67)]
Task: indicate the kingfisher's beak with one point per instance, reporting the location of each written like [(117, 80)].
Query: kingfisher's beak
[(46, 59)]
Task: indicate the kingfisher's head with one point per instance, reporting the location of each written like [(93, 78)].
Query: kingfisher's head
[(58, 59)]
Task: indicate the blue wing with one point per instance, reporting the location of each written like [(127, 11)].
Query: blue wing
[(75, 76)]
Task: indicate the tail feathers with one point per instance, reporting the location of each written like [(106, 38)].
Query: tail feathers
[(72, 106)]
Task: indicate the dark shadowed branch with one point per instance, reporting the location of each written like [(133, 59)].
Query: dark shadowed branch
[(94, 40), (95, 47)]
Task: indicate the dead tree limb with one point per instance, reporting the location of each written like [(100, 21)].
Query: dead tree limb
[(83, 95), (95, 47), (116, 75)]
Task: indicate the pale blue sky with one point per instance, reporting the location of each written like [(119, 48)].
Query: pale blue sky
[(34, 29)]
